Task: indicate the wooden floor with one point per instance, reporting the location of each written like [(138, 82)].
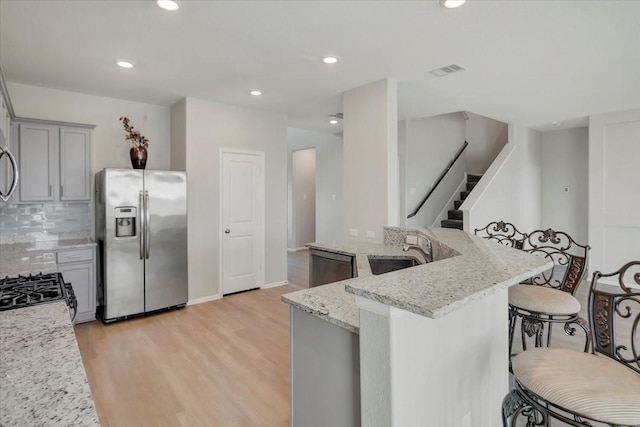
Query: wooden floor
[(298, 267), (221, 363)]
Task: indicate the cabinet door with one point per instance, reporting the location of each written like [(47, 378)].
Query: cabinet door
[(4, 112), (37, 160), (6, 171), (83, 281), (75, 164)]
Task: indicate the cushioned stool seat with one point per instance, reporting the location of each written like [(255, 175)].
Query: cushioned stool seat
[(543, 300), (595, 386)]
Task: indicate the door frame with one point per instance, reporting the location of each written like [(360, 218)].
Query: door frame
[(261, 156)]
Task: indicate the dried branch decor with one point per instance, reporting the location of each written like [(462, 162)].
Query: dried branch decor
[(133, 135)]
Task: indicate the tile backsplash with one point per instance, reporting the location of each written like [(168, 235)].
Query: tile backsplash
[(44, 222)]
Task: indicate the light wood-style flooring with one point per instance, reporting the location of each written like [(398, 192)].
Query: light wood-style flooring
[(298, 267), (221, 363)]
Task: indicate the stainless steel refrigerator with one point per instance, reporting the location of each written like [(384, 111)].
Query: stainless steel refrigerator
[(141, 228)]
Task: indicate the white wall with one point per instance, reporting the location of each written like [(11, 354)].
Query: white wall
[(402, 173), (510, 190), (614, 189), (304, 196), (527, 197), (416, 371), (486, 138), (179, 136), (210, 126), (329, 207), (370, 167), (565, 163), (108, 145), (429, 145)]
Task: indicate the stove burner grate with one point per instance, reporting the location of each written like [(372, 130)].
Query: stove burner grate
[(24, 291)]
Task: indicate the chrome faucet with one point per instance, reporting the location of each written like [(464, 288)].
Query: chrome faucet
[(427, 257)]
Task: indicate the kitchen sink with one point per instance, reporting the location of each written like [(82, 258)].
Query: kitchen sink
[(381, 264)]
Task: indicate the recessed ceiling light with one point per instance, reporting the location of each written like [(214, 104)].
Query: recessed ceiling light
[(557, 124), (168, 5), (333, 121), (255, 93), (329, 59), (450, 4), (124, 64)]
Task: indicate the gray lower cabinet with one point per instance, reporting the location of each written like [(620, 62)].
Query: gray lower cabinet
[(78, 267), (55, 162), (325, 373)]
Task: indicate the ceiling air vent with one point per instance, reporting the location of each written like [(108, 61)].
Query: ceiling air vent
[(445, 71)]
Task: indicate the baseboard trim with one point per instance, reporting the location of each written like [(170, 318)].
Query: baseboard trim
[(204, 299), (275, 284), (302, 248)]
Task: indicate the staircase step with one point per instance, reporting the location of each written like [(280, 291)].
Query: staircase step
[(464, 195), (471, 185), (473, 178), (458, 203), (452, 223), (455, 214)]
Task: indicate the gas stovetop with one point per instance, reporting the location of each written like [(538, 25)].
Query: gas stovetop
[(25, 291)]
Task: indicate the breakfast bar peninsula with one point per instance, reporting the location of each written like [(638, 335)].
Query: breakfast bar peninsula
[(425, 345)]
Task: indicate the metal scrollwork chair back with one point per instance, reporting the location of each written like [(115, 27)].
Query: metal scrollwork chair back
[(552, 301), (608, 307), (502, 232), (579, 388), (565, 253)]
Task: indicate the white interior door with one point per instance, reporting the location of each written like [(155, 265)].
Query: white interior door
[(242, 220)]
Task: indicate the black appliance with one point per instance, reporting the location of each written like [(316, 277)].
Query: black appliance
[(35, 289)]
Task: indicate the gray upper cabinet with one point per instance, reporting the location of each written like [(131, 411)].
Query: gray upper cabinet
[(54, 162), (37, 145), (5, 122), (75, 164)]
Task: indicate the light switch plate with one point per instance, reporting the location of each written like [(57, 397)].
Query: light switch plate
[(371, 234), (353, 232)]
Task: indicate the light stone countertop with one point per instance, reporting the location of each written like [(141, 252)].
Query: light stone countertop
[(478, 269), (37, 257), (42, 378), (331, 302)]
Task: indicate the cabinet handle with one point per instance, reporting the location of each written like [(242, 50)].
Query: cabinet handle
[(49, 191), (61, 190)]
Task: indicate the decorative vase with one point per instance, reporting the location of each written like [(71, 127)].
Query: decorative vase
[(138, 157)]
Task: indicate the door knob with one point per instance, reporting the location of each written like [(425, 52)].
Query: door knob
[(227, 231)]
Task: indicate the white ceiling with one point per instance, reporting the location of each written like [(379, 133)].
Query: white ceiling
[(531, 62)]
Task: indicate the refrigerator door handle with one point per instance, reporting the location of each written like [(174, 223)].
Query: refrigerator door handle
[(142, 225), (147, 225)]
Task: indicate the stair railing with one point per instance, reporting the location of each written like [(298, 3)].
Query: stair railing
[(442, 175)]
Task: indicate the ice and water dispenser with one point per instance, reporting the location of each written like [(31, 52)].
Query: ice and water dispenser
[(126, 221)]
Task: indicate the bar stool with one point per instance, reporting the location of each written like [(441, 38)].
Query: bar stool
[(579, 388), (502, 232), (549, 297)]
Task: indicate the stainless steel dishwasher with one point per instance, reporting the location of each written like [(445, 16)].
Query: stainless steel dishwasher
[(328, 267)]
